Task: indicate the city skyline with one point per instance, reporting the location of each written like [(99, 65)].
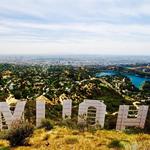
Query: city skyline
[(104, 27)]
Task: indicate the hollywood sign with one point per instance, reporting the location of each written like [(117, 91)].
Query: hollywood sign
[(95, 106)]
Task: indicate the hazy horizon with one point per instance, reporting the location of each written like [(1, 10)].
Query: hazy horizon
[(74, 60), (68, 54)]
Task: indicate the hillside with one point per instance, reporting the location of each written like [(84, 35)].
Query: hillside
[(57, 83), (66, 139)]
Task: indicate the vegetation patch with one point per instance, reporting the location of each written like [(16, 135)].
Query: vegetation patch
[(46, 124), (18, 133), (116, 144), (71, 140)]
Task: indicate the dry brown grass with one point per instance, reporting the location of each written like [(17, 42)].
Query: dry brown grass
[(67, 139), (4, 143)]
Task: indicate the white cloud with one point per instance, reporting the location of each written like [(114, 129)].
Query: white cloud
[(76, 31), (85, 26)]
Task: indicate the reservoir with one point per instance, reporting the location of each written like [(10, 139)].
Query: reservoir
[(136, 80)]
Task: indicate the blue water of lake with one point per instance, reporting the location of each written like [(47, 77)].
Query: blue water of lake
[(136, 80)]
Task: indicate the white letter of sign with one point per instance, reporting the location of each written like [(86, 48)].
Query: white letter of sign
[(123, 120), (40, 111), (67, 106), (99, 110), (8, 116)]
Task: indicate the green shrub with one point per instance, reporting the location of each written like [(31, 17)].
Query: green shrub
[(4, 148), (91, 129), (18, 133), (46, 123), (70, 123), (116, 144), (3, 134)]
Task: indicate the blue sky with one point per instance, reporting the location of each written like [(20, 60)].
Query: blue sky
[(75, 27)]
